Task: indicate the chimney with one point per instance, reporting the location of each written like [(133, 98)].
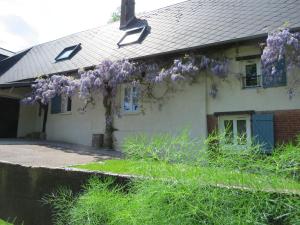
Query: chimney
[(127, 13)]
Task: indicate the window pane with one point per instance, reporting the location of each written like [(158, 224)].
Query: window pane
[(241, 132), (127, 102), (69, 108), (228, 125), (251, 75), (64, 103), (66, 54), (135, 99)]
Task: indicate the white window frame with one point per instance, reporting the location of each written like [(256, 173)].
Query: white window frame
[(235, 118), (131, 110), (64, 104), (244, 63)]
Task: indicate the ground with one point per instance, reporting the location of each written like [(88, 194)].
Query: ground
[(50, 154)]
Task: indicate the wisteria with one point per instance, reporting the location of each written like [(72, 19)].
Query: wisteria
[(44, 89), (281, 45), (108, 75)]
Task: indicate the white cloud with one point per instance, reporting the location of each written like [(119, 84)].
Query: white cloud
[(45, 20)]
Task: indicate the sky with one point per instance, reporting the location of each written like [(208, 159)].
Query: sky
[(24, 23)]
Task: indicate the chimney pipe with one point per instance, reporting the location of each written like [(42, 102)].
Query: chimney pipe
[(127, 13)]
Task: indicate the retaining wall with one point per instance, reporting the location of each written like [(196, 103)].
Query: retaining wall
[(22, 188)]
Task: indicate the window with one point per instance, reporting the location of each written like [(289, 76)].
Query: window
[(132, 36), (68, 52), (131, 99), (251, 76), (236, 129), (278, 78), (61, 104)]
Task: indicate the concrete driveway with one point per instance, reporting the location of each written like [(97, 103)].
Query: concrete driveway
[(50, 154)]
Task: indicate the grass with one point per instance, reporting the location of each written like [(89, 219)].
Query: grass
[(204, 175), (181, 185), (2, 222)]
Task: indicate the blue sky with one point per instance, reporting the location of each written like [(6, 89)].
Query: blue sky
[(24, 23)]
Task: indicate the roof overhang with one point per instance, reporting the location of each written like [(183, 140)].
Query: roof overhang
[(16, 84)]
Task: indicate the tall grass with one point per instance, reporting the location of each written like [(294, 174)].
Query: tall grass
[(158, 202), (184, 199)]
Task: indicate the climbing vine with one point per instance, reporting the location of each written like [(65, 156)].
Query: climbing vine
[(281, 46), (105, 78)]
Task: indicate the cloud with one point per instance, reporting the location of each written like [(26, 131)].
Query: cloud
[(16, 33), (26, 23)]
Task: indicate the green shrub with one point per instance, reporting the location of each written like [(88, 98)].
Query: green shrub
[(165, 147), (181, 190), (159, 202), (181, 148)]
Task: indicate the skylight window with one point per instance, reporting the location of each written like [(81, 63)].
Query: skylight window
[(68, 52), (132, 36)]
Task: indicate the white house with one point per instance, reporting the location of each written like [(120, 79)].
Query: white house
[(229, 28)]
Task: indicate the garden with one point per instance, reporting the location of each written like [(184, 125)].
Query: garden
[(182, 180)]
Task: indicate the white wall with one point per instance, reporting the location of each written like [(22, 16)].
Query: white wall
[(232, 97), (177, 113), (183, 109), (187, 108), (29, 121), (76, 127)]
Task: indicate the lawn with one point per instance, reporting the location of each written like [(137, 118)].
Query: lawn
[(2, 222), (204, 175), (177, 182)]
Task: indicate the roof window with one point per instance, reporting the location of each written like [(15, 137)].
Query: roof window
[(68, 53), (132, 36)]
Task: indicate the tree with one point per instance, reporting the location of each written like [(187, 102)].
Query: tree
[(108, 75)]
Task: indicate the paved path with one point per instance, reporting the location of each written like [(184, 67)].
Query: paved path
[(50, 154)]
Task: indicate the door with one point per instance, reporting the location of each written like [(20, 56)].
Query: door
[(9, 115), (263, 131)]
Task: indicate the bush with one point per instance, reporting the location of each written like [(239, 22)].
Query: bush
[(185, 199), (165, 147), (181, 148), (159, 202)]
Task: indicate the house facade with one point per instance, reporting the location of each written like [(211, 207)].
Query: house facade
[(240, 102)]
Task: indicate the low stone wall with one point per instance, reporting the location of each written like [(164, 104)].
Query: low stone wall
[(22, 188)]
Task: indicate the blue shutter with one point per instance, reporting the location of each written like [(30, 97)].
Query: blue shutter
[(263, 131), (56, 105), (277, 79)]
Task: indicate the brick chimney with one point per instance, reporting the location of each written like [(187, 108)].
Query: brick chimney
[(127, 13)]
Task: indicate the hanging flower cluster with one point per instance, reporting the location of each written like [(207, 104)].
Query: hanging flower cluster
[(181, 69), (282, 49), (218, 68), (44, 89), (107, 75), (281, 45)]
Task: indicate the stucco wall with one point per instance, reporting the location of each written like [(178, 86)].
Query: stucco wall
[(76, 127), (177, 113), (29, 121), (186, 108), (232, 97)]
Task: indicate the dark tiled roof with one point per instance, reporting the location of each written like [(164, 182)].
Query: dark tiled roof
[(186, 25), (6, 52)]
